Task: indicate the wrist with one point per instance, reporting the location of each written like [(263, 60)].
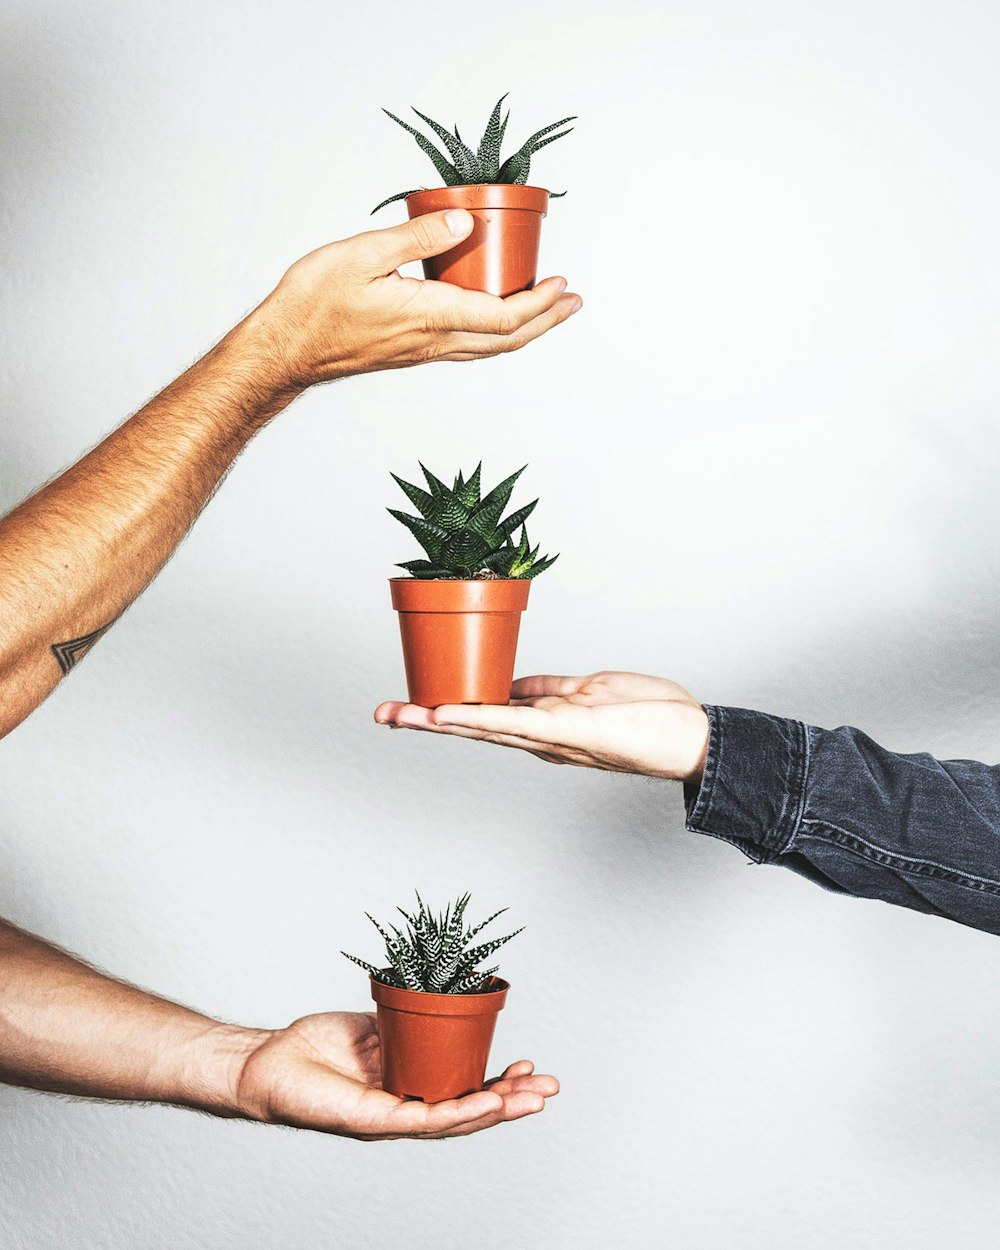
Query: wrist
[(696, 735), (253, 356), (212, 1065), (273, 332)]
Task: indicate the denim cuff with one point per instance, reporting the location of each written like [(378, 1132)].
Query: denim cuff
[(753, 788)]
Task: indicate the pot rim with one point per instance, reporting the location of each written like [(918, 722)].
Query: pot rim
[(453, 594), (465, 581), (466, 186), (497, 195), (425, 1003)]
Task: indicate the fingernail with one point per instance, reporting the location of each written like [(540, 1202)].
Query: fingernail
[(458, 221), (576, 307), (562, 284)]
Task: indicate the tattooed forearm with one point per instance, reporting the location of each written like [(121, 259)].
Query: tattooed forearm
[(70, 653)]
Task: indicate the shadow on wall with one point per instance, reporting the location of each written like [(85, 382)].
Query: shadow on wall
[(44, 138), (907, 680), (927, 681), (924, 683), (41, 120)]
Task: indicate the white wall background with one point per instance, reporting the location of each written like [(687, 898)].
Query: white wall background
[(768, 451)]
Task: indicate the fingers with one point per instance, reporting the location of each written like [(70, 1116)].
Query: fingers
[(483, 718), (411, 716), (386, 713), (454, 308), (519, 1092), (520, 1067), (519, 722), (407, 716), (475, 346), (381, 251), (538, 686), (516, 1107), (522, 1076), (528, 728), (523, 1095), (547, 684), (443, 1119)]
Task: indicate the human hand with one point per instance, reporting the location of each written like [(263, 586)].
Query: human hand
[(344, 308), (619, 722), (324, 1072)]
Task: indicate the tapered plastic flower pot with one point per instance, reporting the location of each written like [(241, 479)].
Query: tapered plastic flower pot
[(459, 637), (500, 256), (436, 1046)]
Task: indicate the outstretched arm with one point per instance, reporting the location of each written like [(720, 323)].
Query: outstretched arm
[(67, 1028), (830, 804), (76, 554)]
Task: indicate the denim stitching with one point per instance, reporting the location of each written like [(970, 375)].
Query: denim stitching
[(801, 753), (902, 863), (703, 803)]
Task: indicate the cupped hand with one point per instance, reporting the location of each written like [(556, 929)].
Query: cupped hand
[(324, 1072), (619, 722), (344, 308)]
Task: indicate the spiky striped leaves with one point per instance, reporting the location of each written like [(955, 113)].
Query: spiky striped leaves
[(447, 171), (517, 167), (488, 152), (435, 953), (465, 535), (402, 195), (465, 163), (484, 165)]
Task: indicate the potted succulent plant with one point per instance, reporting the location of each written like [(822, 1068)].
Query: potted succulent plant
[(436, 1009), (460, 608), (500, 256)]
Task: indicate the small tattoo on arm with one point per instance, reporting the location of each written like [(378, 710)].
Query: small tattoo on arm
[(70, 653)]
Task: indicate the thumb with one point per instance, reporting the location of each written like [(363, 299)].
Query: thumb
[(427, 235)]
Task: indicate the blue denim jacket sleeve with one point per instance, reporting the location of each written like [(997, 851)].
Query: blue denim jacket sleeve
[(834, 806)]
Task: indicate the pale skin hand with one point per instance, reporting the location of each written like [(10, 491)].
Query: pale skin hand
[(77, 553), (69, 1029), (618, 722)]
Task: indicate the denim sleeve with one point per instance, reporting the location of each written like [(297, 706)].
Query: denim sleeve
[(837, 808)]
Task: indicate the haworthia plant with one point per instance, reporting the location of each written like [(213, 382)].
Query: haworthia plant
[(463, 167), (435, 953), (465, 534)]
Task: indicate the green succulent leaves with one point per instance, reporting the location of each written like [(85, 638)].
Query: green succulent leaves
[(435, 954), (484, 165), (464, 534)]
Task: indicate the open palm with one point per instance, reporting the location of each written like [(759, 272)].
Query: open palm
[(620, 722), (324, 1072)]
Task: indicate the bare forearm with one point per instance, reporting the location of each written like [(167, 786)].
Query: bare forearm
[(76, 554), (66, 1028)]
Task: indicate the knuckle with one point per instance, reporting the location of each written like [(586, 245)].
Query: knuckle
[(423, 233), (506, 323), (430, 324), (427, 352), (598, 682)]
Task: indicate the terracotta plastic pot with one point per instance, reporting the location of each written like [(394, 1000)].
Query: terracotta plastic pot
[(500, 256), (459, 637), (436, 1046)]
